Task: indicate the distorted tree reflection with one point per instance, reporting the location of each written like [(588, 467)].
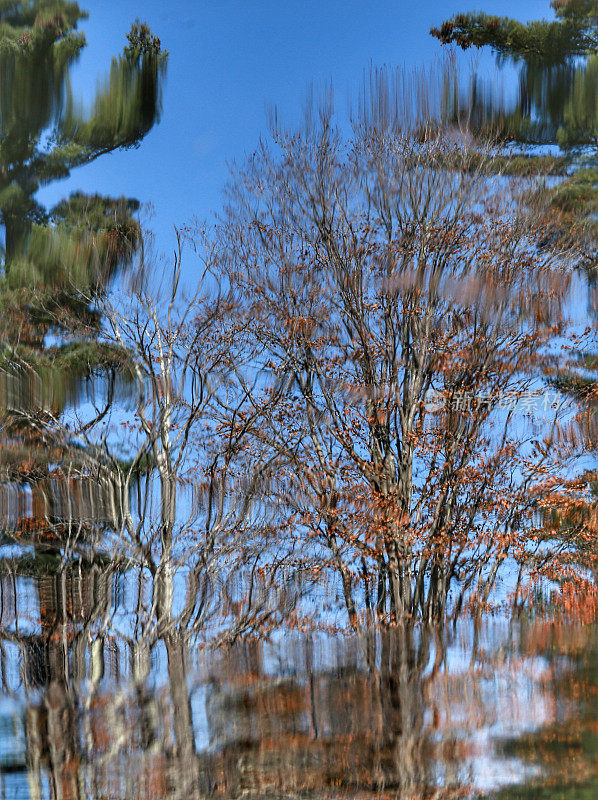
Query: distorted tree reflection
[(558, 72), (56, 261), (556, 60), (54, 504)]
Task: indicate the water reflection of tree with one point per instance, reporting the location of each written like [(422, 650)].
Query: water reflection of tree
[(56, 261), (353, 727), (558, 87), (554, 105), (53, 503), (565, 751), (327, 718), (557, 74), (49, 642), (73, 719)]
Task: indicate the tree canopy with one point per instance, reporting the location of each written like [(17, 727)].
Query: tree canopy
[(57, 260), (574, 32)]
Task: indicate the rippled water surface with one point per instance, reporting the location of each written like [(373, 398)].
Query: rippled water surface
[(151, 509), (90, 707)]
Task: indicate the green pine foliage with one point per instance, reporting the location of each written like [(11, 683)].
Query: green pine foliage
[(573, 33), (57, 261)]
